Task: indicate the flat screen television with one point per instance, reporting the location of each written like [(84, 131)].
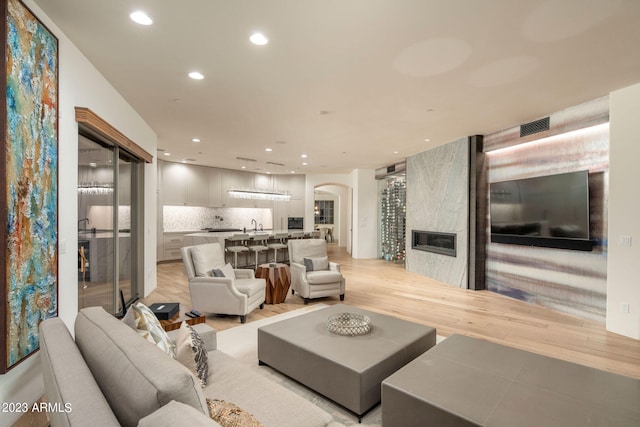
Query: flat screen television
[(549, 211)]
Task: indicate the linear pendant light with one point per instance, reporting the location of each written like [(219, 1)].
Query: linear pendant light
[(259, 194)]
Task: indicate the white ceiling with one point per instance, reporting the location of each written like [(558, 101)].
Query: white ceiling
[(349, 82)]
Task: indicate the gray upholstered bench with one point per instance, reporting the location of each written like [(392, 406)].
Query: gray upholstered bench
[(347, 370), (469, 382)]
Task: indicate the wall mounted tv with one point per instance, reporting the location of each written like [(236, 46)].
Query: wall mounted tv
[(549, 211)]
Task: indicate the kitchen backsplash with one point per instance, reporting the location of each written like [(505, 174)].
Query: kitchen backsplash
[(191, 218)]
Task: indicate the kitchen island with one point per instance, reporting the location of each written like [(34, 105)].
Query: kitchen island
[(203, 237)]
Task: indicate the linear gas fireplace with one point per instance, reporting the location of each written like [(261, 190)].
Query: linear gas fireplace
[(431, 241)]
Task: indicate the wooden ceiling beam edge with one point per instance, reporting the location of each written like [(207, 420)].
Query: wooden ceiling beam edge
[(96, 125)]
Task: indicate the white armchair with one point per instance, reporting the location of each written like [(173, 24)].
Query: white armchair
[(312, 274), (237, 293)]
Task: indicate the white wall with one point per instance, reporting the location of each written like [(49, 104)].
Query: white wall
[(362, 219), (623, 268), (365, 214), (340, 195), (80, 85)]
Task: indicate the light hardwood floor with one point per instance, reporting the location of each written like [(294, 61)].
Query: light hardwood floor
[(388, 288)]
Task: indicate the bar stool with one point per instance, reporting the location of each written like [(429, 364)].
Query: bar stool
[(297, 234), (258, 245), (237, 248), (278, 244)]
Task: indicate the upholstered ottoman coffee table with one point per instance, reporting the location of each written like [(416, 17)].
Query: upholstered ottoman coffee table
[(464, 381), (346, 369)]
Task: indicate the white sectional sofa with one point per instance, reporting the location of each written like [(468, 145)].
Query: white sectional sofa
[(111, 376)]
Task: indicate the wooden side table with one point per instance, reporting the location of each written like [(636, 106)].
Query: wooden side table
[(278, 279), (176, 321)]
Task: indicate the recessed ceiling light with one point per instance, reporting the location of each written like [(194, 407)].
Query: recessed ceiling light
[(166, 153), (139, 17), (305, 164), (196, 75), (195, 140), (293, 171), (243, 167), (268, 149), (304, 156), (395, 152), (427, 140), (93, 164), (258, 39)]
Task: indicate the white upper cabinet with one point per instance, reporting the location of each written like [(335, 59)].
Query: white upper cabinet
[(236, 180), (191, 185), (215, 188), (294, 184), (185, 185)]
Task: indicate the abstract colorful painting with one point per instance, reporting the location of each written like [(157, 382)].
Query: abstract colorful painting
[(29, 190)]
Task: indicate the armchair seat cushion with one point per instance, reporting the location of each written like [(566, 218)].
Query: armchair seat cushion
[(323, 277), (250, 287)]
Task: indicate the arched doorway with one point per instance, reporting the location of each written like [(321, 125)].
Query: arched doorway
[(333, 212)]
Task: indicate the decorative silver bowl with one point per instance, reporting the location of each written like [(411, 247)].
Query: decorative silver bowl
[(349, 324)]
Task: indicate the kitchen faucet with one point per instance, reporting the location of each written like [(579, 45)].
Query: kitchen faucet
[(255, 227)]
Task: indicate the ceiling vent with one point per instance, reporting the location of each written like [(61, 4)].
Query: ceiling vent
[(534, 127), (395, 169)]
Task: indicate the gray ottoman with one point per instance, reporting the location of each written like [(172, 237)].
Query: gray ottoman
[(465, 381), (347, 370)]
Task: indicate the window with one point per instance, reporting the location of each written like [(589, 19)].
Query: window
[(323, 212)]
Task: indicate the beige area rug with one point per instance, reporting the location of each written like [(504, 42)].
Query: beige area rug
[(241, 342)]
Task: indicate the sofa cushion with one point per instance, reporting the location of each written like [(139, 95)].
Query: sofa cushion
[(192, 353), (205, 258), (134, 375), (250, 287), (229, 414), (324, 277), (306, 248), (177, 414), (316, 264), (68, 382), (148, 327)]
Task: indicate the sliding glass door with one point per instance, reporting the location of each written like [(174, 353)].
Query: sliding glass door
[(109, 214)]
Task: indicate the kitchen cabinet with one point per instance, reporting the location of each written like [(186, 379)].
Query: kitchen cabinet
[(172, 242), (215, 187), (232, 179), (185, 185), (295, 185)]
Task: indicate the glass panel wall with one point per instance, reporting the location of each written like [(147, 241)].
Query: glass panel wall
[(96, 265), (109, 218)]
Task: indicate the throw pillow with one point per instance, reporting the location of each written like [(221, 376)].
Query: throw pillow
[(192, 353), (230, 415), (224, 271), (148, 326), (316, 264), (129, 319)]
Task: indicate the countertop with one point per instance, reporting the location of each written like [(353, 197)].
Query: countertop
[(225, 234)]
